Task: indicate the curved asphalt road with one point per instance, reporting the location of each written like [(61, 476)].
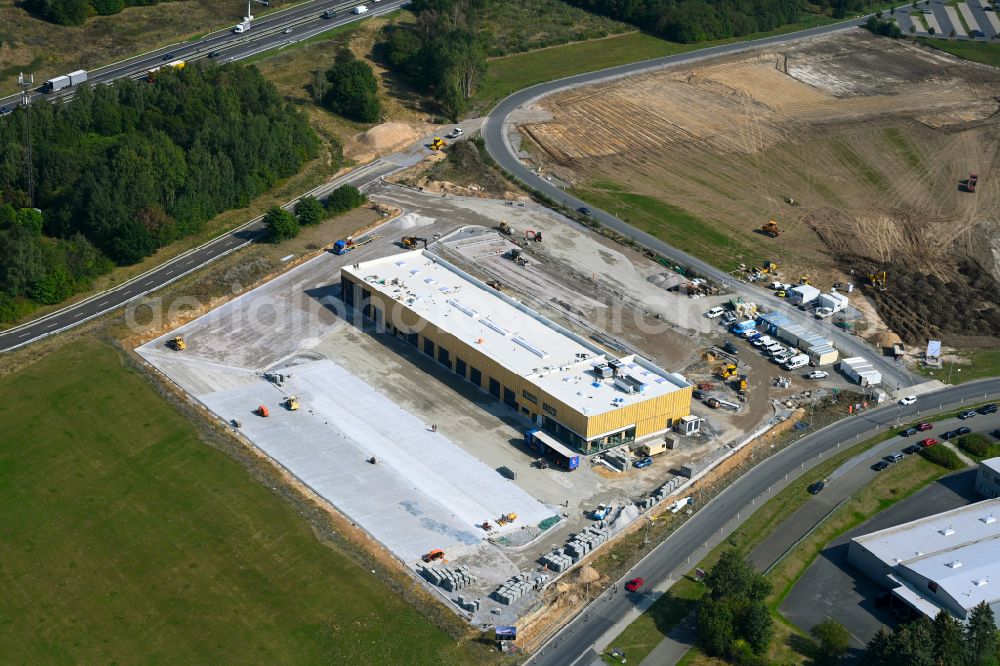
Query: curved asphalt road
[(575, 645), (501, 150)]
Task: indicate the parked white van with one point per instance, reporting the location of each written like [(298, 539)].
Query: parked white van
[(715, 312), (797, 361)]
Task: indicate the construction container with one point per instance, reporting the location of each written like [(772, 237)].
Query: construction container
[(860, 371), (821, 355), (803, 294)]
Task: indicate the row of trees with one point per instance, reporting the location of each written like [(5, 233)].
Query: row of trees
[(123, 169), (733, 620), (943, 642), (282, 225), (691, 21), (443, 52), (75, 12)]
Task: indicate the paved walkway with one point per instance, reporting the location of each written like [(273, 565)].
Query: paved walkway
[(672, 648)]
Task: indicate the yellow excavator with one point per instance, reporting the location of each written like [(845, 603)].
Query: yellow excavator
[(878, 280), (438, 143), (177, 343), (411, 241), (505, 228)]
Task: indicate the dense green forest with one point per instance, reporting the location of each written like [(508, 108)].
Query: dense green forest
[(124, 169), (75, 12), (690, 21)]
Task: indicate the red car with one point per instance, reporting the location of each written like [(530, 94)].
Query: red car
[(923, 427), (634, 584), (930, 441)]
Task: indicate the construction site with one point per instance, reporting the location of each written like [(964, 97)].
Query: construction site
[(851, 160), (471, 488)]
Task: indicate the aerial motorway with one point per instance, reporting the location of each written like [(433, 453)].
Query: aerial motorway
[(262, 34), (579, 641)]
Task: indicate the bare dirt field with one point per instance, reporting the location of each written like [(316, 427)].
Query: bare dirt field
[(856, 145)]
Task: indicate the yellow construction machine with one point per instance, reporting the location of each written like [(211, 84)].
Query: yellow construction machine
[(291, 403), (771, 229), (505, 228), (726, 371), (506, 518), (878, 280), (438, 143), (177, 343), (411, 241)]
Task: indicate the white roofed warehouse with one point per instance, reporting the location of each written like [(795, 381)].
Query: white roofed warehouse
[(566, 385), (947, 561)]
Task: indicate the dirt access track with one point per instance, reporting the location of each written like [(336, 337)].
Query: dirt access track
[(855, 144)]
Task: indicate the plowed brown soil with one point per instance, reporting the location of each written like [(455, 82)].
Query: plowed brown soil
[(855, 144)]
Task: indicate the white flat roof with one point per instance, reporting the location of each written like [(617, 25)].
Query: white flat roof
[(512, 334), (991, 464), (956, 549)]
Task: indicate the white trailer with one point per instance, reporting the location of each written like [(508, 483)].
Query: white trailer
[(77, 77)]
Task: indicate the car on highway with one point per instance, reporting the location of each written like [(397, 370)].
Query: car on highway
[(880, 465), (168, 56), (909, 432), (963, 431), (924, 427), (911, 449), (213, 54), (926, 443), (642, 462), (991, 408), (908, 400), (818, 374), (455, 133), (634, 584), (287, 30), (967, 414), (815, 488), (329, 14)]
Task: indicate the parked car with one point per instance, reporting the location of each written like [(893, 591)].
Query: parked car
[(634, 584), (815, 488), (988, 409), (893, 457), (781, 293), (967, 414), (908, 400), (909, 432), (911, 449), (924, 427), (880, 465), (949, 434), (458, 131), (818, 374), (730, 347), (963, 431), (715, 312), (642, 462), (930, 441)]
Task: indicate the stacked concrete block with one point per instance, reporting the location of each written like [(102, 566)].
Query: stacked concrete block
[(471, 605), (512, 590), (558, 560), (451, 579), (619, 459), (584, 542)]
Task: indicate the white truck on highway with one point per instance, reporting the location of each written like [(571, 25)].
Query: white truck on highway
[(359, 10), (63, 82), (241, 27)]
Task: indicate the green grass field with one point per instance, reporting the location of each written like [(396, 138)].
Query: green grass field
[(674, 225), (987, 53), (126, 539)]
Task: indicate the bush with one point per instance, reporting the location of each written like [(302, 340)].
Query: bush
[(309, 211), (831, 642), (979, 446), (943, 456), (353, 89), (343, 199), (280, 224)]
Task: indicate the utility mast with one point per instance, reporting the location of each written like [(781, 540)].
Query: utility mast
[(25, 81)]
